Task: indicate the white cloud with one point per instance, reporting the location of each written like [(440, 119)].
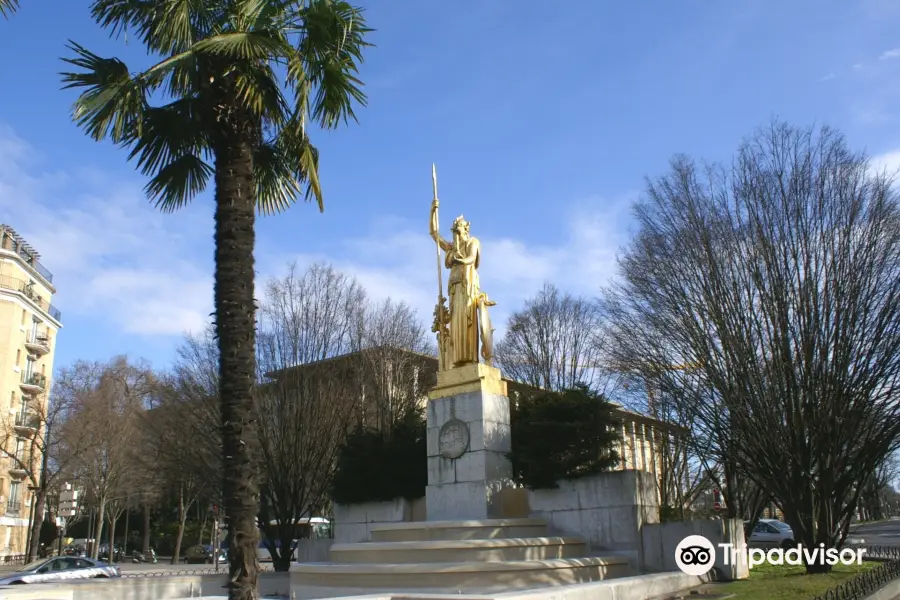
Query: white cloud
[(890, 54), (398, 260), (828, 77), (115, 257), (112, 254), (888, 161)]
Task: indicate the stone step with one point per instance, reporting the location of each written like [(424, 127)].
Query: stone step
[(421, 531), (450, 551), (458, 577)]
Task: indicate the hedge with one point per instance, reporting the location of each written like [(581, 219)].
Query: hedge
[(562, 435), (373, 466)]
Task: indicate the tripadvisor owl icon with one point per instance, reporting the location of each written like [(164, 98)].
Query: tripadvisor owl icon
[(695, 555)]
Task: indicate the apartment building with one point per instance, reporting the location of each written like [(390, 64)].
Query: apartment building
[(28, 327)]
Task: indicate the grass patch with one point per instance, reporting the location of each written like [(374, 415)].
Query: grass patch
[(768, 582)]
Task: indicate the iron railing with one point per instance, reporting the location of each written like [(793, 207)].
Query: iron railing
[(13, 246), (26, 419), (865, 584), (223, 570), (25, 287), (36, 379), (41, 339), (12, 559)]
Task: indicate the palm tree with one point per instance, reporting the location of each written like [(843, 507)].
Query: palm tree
[(239, 80), (8, 7)]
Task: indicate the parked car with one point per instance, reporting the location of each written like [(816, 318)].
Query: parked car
[(772, 533), (203, 555), (60, 569)]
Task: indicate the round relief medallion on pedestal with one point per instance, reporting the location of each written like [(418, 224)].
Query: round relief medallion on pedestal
[(453, 438)]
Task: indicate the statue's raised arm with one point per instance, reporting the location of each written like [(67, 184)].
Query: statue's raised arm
[(433, 227)]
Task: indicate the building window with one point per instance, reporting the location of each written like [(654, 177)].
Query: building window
[(18, 357), (12, 399), (24, 315), (20, 450), (29, 368), (14, 502)]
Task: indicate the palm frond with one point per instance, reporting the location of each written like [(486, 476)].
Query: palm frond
[(283, 167), (331, 48), (178, 182), (113, 103), (277, 186), (169, 132), (163, 26), (121, 15), (223, 60), (258, 89), (246, 45), (8, 7)]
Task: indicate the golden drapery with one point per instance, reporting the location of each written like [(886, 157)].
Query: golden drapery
[(463, 292)]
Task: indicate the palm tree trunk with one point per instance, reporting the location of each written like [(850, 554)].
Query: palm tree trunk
[(236, 332)]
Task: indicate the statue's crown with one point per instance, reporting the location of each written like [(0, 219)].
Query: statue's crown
[(460, 224)]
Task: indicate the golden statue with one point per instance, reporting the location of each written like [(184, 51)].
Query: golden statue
[(460, 326)]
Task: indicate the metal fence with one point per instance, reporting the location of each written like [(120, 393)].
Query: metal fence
[(12, 559), (865, 584), (223, 570)]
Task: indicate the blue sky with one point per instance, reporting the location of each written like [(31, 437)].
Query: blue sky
[(543, 118)]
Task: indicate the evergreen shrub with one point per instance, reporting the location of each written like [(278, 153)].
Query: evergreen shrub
[(562, 435), (375, 466)]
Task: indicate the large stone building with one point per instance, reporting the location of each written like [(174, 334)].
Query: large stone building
[(383, 381), (28, 327)]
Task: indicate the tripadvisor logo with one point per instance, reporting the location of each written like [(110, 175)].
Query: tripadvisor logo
[(696, 555)]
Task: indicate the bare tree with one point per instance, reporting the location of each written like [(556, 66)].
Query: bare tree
[(395, 364), (108, 399), (185, 464), (307, 399), (33, 446), (878, 489), (557, 341), (779, 278), (328, 359)]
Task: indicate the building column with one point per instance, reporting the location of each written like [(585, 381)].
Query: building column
[(642, 438)]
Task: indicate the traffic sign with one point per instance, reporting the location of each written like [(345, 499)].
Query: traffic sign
[(717, 506)]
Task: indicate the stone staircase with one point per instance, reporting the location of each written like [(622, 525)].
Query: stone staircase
[(482, 556)]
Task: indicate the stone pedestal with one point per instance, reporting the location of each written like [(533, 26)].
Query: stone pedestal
[(468, 439)]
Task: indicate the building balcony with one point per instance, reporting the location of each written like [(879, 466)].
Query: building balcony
[(27, 289), (13, 508), (27, 422), (17, 466), (33, 382), (38, 344)]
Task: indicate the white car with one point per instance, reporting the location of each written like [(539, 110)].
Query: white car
[(61, 568), (772, 533)]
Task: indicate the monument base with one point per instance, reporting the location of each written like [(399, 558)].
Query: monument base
[(468, 442)]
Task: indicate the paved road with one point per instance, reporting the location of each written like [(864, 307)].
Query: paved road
[(883, 533)]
